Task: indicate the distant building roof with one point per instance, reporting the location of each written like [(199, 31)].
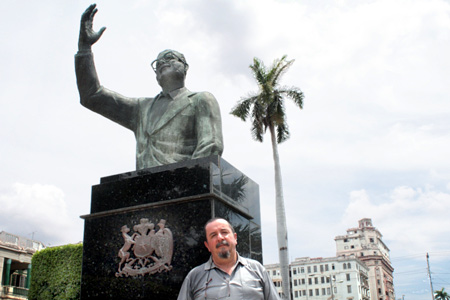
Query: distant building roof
[(12, 241)]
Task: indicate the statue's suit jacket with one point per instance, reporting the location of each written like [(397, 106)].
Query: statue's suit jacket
[(190, 128)]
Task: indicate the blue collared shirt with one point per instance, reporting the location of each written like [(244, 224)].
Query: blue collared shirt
[(249, 280)]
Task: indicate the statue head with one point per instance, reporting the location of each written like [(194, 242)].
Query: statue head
[(167, 56), (170, 67)]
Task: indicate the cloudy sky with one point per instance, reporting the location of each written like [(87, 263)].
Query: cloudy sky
[(373, 139)]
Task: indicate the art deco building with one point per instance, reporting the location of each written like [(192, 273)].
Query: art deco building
[(366, 244), (338, 278)]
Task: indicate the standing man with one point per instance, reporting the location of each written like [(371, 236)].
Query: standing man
[(226, 274), (175, 125)]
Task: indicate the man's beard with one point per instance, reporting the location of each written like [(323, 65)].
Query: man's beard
[(225, 253)]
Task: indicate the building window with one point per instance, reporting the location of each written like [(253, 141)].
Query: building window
[(295, 271), (296, 294), (362, 253), (304, 292), (303, 280), (328, 279), (309, 280), (349, 266), (349, 289), (302, 270), (321, 268), (311, 293), (316, 280), (274, 272), (315, 269), (326, 267), (11, 239), (371, 240), (295, 282), (345, 266), (352, 246), (348, 277), (345, 240), (332, 266), (309, 269), (323, 292), (328, 291), (317, 292), (322, 279)]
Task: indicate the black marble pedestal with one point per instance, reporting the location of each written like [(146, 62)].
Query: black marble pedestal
[(185, 195)]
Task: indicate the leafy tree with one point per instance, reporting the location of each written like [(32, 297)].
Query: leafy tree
[(441, 295), (266, 110), (56, 273)]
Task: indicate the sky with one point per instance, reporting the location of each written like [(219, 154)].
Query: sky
[(372, 141)]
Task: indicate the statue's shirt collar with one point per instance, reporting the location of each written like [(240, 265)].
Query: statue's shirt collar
[(175, 93)]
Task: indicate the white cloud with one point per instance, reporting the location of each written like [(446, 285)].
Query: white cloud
[(412, 220), (39, 209)]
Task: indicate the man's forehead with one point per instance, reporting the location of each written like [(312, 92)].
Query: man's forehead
[(218, 225), (162, 53)]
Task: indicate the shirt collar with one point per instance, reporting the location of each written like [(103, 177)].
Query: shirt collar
[(174, 93), (211, 265)]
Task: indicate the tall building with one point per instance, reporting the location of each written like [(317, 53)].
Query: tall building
[(338, 278), (365, 243)]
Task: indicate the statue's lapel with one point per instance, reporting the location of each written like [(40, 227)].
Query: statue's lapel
[(177, 105)]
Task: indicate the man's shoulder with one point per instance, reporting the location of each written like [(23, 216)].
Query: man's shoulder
[(202, 95), (198, 269), (203, 99), (252, 263), (144, 101)]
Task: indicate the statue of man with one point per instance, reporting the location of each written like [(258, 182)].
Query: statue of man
[(174, 126)]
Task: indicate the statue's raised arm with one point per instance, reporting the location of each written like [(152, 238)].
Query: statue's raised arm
[(93, 95), (88, 36)]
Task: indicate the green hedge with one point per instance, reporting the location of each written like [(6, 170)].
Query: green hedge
[(56, 273)]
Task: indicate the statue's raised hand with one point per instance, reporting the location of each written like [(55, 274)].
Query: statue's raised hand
[(88, 36)]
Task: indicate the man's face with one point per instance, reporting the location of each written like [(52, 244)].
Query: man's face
[(169, 64), (221, 241)]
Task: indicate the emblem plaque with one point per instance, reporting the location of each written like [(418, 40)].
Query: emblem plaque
[(146, 251)]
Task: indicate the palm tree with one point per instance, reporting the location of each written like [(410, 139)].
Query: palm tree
[(267, 111), (441, 295)]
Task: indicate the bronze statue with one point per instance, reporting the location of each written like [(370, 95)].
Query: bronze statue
[(175, 125)]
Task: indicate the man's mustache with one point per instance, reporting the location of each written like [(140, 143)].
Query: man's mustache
[(222, 243)]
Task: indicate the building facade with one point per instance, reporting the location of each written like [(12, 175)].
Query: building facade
[(15, 265), (335, 278), (365, 242)]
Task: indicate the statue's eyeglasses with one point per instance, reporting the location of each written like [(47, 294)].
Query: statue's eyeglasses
[(166, 59)]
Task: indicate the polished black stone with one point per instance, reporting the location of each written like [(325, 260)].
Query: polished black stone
[(186, 195)]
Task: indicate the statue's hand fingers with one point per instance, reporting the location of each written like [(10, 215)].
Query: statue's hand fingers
[(88, 13)]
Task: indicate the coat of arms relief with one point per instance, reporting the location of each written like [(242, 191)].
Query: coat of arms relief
[(146, 251)]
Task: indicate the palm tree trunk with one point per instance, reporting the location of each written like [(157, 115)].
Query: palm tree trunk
[(282, 235)]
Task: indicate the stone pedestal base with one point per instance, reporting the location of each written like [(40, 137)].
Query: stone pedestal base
[(129, 253)]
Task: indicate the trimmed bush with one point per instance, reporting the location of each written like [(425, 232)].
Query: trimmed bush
[(56, 273)]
